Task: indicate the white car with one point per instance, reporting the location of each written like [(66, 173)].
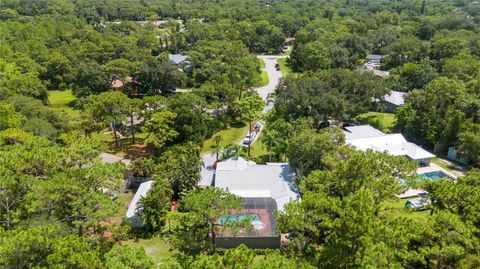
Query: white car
[(249, 138)]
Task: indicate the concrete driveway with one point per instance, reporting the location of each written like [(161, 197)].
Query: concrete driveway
[(273, 75)]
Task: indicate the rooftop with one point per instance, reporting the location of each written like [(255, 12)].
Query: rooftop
[(141, 192), (374, 57), (362, 131), (248, 179), (364, 138), (395, 98), (177, 58)]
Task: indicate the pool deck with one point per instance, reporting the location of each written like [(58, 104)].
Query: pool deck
[(423, 170), (433, 168)]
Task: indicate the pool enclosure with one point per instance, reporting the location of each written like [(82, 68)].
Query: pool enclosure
[(260, 234)]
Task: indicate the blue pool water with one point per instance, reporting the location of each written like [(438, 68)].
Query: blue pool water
[(435, 175), (230, 219)]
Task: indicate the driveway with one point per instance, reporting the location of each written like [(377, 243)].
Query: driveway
[(208, 173), (273, 75)]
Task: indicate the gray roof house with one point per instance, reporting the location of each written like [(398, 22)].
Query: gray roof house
[(177, 58), (374, 57), (248, 179), (393, 100)]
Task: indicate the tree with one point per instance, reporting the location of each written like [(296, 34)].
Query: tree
[(330, 94), (249, 108), (270, 138), (198, 226), (154, 206), (192, 122), (180, 165), (337, 222), (469, 143), (160, 128), (91, 79), (433, 114), (310, 150), (157, 76), (125, 257), (107, 108), (216, 145), (9, 118)]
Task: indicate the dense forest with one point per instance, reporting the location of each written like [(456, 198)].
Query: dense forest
[(81, 79)]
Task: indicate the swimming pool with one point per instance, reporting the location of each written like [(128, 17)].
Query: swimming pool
[(233, 218), (435, 175)]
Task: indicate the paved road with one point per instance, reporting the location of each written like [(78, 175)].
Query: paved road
[(273, 75), (208, 173)]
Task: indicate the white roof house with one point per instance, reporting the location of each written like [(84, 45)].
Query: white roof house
[(364, 138), (177, 58), (362, 131), (395, 98), (132, 213), (248, 179)]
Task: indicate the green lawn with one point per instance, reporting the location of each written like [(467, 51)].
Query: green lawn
[(396, 208), (232, 135), (156, 247), (385, 120), (63, 101), (284, 66), (259, 151)]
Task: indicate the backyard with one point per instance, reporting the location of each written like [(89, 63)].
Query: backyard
[(64, 101), (232, 135), (380, 120)]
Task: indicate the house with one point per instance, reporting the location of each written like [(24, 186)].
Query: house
[(365, 137), (248, 179), (289, 41), (133, 217), (177, 59), (266, 188), (393, 100), (374, 60)]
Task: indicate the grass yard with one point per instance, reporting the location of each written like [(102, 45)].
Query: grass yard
[(383, 121), (156, 247), (63, 101), (259, 151), (396, 209), (284, 66), (232, 135)]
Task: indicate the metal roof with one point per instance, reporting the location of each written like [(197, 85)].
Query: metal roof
[(177, 58), (141, 192), (247, 179), (361, 131), (374, 57), (393, 144), (395, 98)]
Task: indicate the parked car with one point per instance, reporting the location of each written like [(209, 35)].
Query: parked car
[(249, 138)]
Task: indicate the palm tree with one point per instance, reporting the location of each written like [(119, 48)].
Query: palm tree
[(270, 138), (216, 145)]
